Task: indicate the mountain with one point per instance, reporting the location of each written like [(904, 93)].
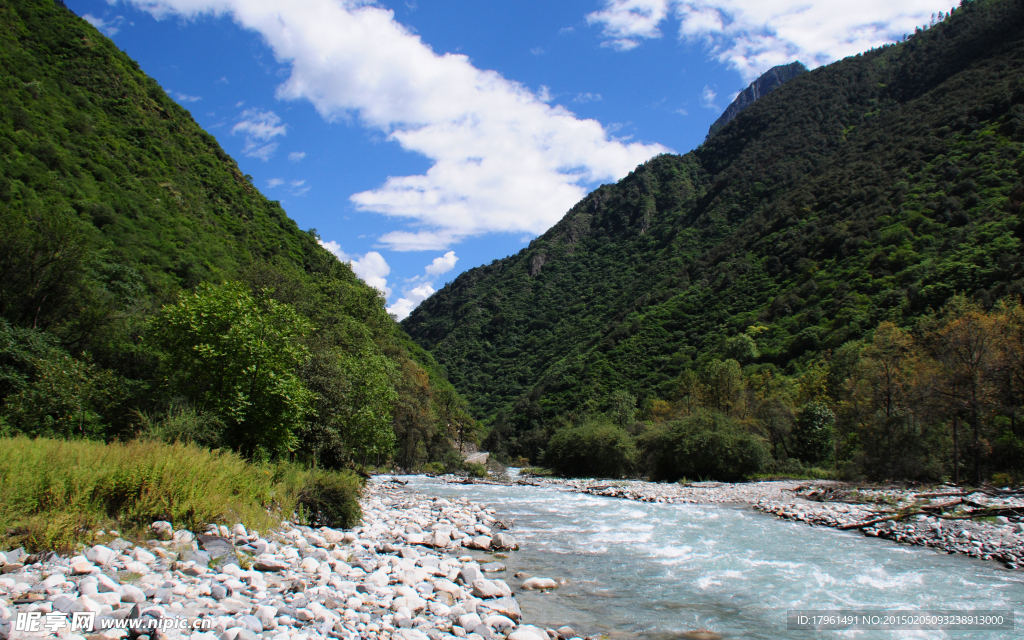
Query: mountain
[(765, 84), (115, 203), (869, 190)]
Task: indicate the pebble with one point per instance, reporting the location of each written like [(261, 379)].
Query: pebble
[(402, 574)]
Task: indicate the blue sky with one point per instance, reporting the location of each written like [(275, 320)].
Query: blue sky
[(423, 138)]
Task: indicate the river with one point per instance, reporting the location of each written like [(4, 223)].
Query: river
[(656, 571)]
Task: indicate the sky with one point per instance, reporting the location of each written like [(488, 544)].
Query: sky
[(422, 138)]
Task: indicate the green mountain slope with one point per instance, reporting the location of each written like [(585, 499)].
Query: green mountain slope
[(114, 201), (872, 189)]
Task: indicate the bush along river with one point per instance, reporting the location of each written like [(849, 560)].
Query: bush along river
[(700, 562)]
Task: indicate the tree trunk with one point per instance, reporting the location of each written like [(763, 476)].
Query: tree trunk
[(956, 453)]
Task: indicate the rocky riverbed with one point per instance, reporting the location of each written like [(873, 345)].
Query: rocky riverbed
[(946, 519), (408, 573)]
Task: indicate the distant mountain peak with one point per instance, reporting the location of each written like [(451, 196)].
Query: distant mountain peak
[(764, 85)]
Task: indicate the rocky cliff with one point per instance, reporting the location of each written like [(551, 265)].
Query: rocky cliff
[(764, 85)]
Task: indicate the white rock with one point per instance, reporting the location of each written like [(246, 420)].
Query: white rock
[(162, 529), (309, 565), (267, 616), (528, 632), (484, 588), (143, 556), (100, 555), (239, 530), (106, 584), (182, 536), (82, 567), (539, 583), (499, 622), (131, 593)]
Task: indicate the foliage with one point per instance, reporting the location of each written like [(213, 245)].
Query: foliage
[(56, 492), (476, 470), (707, 445), (116, 203), (236, 357), (597, 447), (867, 191), (331, 499)]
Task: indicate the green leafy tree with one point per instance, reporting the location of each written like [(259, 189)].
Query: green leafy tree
[(237, 356), (814, 433)]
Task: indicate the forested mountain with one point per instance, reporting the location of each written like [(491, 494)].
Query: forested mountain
[(767, 82), (146, 286), (868, 191)]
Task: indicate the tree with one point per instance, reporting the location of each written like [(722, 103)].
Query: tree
[(237, 356), (965, 345)]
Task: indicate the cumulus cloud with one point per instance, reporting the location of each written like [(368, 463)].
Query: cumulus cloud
[(627, 22), (371, 267), (503, 160), (274, 182), (412, 299), (259, 128), (443, 264), (296, 156), (422, 286), (109, 28), (752, 36)]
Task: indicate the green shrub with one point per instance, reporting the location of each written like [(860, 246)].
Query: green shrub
[(434, 467), (55, 492), (475, 470), (707, 446), (596, 448), (331, 499)]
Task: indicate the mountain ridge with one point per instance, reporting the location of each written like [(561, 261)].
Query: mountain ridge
[(825, 207), (762, 86)]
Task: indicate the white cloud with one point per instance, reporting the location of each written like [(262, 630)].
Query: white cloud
[(259, 127), (682, 112), (588, 97), (296, 156), (754, 35), (335, 248), (443, 264), (503, 160), (538, 51), (404, 305), (414, 295), (109, 28), (274, 182), (184, 97), (372, 268), (707, 97), (626, 22)]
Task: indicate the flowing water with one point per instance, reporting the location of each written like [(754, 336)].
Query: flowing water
[(657, 571)]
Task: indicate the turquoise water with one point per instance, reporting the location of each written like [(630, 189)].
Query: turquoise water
[(656, 571)]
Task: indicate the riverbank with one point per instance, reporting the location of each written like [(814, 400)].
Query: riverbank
[(405, 574), (985, 525)]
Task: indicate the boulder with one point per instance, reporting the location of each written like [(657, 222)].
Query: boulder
[(507, 607), (538, 584), (503, 541), (270, 565), (100, 555), (162, 530), (470, 574)]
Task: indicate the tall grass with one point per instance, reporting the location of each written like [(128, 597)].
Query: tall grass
[(53, 493)]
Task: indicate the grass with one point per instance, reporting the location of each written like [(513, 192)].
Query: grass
[(57, 492)]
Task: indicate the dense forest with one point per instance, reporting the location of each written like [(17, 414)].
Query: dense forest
[(828, 285), (147, 289)]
